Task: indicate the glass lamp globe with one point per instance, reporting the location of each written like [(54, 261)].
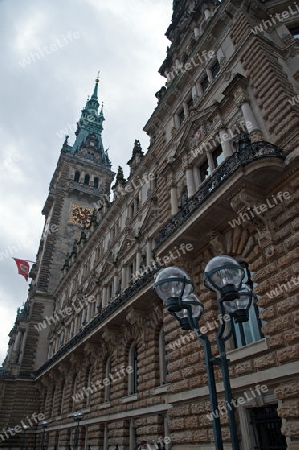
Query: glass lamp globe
[(224, 275), (197, 310), (173, 283), (239, 307)]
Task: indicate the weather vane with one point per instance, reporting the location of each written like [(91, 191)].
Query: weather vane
[(97, 79)]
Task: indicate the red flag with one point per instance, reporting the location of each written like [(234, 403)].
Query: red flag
[(23, 267)]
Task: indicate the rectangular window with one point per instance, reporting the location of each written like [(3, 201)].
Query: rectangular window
[(218, 156), (205, 83), (245, 333), (266, 426), (137, 203), (181, 116), (215, 69), (204, 171), (294, 32)]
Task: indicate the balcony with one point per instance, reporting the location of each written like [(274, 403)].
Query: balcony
[(145, 280), (248, 154)]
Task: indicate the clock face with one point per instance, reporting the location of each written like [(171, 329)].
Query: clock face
[(81, 215)]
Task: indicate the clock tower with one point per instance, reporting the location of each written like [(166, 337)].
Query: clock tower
[(80, 182), (83, 177)]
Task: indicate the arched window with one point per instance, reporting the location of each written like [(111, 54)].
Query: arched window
[(107, 376), (133, 376), (62, 397), (53, 401), (89, 389), (74, 390), (77, 176), (162, 359), (96, 182), (245, 333), (87, 179)]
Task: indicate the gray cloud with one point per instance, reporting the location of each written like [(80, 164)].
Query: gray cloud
[(125, 40)]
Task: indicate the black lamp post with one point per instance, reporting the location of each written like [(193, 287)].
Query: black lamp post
[(77, 417), (44, 424), (224, 275)]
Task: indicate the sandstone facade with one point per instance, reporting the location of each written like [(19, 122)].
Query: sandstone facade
[(224, 142)]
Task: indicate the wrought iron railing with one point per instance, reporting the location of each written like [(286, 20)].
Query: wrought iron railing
[(251, 152), (123, 298)]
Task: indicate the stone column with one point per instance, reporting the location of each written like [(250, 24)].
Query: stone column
[(176, 121), (174, 201), (124, 277), (148, 252), (251, 123), (151, 184), (210, 161), (186, 111), (207, 13), (194, 92), (190, 182), (17, 341), (210, 76), (196, 177), (225, 143), (104, 297), (115, 282), (88, 313), (199, 88), (138, 260)]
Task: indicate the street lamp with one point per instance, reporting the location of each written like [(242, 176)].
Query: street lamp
[(224, 275), (77, 417), (44, 424), (25, 428)]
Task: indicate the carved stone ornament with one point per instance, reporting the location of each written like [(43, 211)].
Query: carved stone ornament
[(244, 203)]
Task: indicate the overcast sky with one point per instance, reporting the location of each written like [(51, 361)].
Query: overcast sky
[(125, 40)]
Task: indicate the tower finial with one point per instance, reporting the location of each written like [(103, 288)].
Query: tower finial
[(98, 77)]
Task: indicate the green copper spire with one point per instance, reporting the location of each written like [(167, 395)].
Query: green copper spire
[(95, 91), (91, 123)]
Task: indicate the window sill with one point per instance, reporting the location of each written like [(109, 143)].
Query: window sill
[(161, 389), (129, 398), (104, 405), (247, 350)]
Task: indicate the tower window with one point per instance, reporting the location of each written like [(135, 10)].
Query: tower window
[(87, 179), (90, 155), (77, 176), (96, 182)]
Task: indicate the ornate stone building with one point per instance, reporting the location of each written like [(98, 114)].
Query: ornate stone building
[(220, 177)]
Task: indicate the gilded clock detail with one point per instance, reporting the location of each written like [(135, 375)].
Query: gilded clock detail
[(81, 215)]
